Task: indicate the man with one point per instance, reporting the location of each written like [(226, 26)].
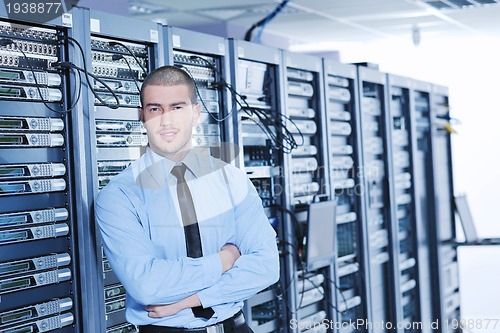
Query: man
[(147, 223)]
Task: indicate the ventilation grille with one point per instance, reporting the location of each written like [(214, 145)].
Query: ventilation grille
[(232, 12), (140, 7), (459, 4), (268, 8)]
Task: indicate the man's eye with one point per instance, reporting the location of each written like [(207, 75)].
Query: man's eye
[(154, 109)]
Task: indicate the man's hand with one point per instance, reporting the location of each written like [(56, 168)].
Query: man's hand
[(165, 310), (228, 254)]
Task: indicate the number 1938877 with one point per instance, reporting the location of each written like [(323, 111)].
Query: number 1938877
[(33, 7)]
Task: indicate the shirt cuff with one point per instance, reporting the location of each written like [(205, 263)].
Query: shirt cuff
[(212, 269)]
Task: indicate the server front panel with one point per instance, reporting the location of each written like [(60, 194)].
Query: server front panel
[(344, 164), (445, 263), (403, 201), (120, 136), (307, 182), (255, 73), (119, 59), (373, 105), (204, 58), (422, 181), (292, 150), (39, 279)]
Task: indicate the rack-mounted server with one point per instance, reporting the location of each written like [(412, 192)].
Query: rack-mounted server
[(119, 57), (444, 261), (380, 247), (39, 275), (344, 149), (306, 180), (256, 82), (205, 58), (380, 148), (403, 204)]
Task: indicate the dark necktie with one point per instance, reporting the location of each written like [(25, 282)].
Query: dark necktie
[(191, 229)]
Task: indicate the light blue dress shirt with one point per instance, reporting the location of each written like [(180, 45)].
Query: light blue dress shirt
[(142, 232)]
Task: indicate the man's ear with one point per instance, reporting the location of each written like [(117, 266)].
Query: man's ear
[(141, 113), (197, 111)]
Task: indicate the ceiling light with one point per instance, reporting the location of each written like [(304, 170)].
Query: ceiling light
[(415, 35), (143, 8)]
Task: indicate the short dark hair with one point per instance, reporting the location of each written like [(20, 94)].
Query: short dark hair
[(170, 76)]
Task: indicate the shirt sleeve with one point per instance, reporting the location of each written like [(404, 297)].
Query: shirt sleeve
[(131, 254), (258, 265)]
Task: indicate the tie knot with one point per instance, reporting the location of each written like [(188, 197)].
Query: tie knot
[(178, 172)]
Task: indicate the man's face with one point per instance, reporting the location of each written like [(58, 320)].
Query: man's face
[(169, 116)]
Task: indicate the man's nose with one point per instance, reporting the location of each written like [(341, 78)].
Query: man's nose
[(166, 118)]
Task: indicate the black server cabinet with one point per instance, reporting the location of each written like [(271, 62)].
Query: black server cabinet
[(306, 181), (381, 247), (40, 273), (205, 58), (423, 182), (401, 106), (256, 101), (443, 252), (119, 55), (344, 149)]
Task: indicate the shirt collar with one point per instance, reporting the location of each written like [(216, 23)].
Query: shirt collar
[(197, 160)]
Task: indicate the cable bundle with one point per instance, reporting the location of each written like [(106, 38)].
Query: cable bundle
[(272, 123)]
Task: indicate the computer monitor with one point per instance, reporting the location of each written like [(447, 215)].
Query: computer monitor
[(463, 210), (470, 233), (321, 232)]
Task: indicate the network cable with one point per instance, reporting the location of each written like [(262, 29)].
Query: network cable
[(224, 83), (265, 121), (265, 20), (115, 57), (197, 90), (285, 290), (283, 139), (341, 293), (114, 43), (299, 235), (317, 287), (5, 42), (73, 66), (88, 75)]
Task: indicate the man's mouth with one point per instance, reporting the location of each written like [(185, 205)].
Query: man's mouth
[(169, 134)]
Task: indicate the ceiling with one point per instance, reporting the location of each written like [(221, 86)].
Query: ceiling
[(323, 21)]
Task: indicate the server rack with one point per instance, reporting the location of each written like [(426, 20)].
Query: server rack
[(444, 253), (306, 180), (381, 240), (400, 109), (50, 159), (205, 58), (420, 125), (112, 135), (255, 81), (40, 275), (344, 149)]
